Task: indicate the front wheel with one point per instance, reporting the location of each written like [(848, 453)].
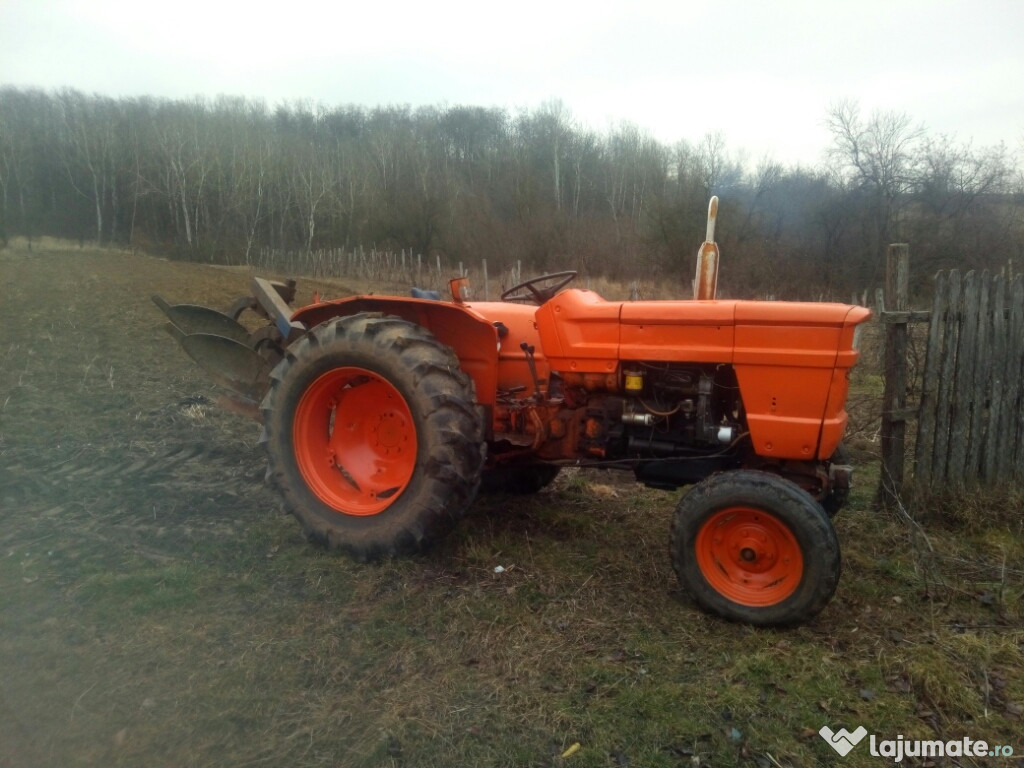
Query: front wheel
[(755, 548), (372, 435)]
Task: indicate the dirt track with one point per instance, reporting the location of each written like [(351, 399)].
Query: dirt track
[(117, 476), (96, 396)]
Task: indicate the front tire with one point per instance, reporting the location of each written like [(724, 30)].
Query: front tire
[(372, 436), (754, 548)]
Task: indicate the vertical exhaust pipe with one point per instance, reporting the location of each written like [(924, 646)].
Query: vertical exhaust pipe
[(705, 286)]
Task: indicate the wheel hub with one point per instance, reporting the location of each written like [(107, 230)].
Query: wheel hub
[(355, 441), (389, 433), (750, 556)]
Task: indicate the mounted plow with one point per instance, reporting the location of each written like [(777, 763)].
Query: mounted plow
[(235, 357)]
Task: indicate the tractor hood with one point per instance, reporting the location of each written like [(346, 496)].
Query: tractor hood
[(582, 332)]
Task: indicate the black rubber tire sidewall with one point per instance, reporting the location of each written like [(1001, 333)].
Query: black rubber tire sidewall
[(788, 503), (448, 430)]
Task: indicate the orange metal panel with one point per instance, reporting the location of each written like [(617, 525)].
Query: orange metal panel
[(513, 370), (784, 407), (786, 345), (682, 331), (834, 421), (580, 332), (705, 313), (793, 376), (792, 312)]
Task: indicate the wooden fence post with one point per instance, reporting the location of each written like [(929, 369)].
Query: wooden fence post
[(894, 404)]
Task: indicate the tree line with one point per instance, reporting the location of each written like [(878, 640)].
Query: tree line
[(216, 180)]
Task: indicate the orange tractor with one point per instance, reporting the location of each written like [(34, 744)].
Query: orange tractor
[(384, 415)]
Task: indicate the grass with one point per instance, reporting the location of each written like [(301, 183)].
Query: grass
[(157, 608)]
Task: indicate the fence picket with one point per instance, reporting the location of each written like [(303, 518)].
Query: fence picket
[(925, 445), (940, 459), (981, 366), (960, 421), (1015, 393), (990, 469)]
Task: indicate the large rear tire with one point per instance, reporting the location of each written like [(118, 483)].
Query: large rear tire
[(755, 548), (372, 435)]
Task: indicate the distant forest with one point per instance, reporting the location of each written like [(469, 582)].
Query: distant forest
[(217, 180)]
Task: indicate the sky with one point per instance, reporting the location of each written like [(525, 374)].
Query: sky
[(762, 74)]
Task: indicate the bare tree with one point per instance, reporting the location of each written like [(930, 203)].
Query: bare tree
[(311, 185), (720, 172), (90, 155), (879, 157), (185, 162), (217, 180)]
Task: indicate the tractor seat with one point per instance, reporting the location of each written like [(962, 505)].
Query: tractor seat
[(421, 293)]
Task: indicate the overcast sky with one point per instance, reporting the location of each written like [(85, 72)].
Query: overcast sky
[(761, 73)]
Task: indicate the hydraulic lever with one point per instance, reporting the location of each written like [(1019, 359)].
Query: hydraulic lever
[(528, 350)]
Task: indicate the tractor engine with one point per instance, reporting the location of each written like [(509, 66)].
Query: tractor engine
[(679, 408), (677, 423)]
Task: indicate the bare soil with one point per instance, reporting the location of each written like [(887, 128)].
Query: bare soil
[(100, 410)]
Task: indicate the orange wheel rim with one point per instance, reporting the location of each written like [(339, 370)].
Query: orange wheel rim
[(355, 441), (749, 556)]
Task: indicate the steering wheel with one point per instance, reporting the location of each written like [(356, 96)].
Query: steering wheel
[(532, 292)]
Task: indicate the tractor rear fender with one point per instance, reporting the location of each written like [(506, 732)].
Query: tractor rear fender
[(473, 331)]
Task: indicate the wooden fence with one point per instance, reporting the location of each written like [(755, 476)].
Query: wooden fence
[(971, 423), (383, 266), (407, 266), (970, 419)]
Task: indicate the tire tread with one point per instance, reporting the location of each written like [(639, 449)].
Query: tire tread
[(451, 444)]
